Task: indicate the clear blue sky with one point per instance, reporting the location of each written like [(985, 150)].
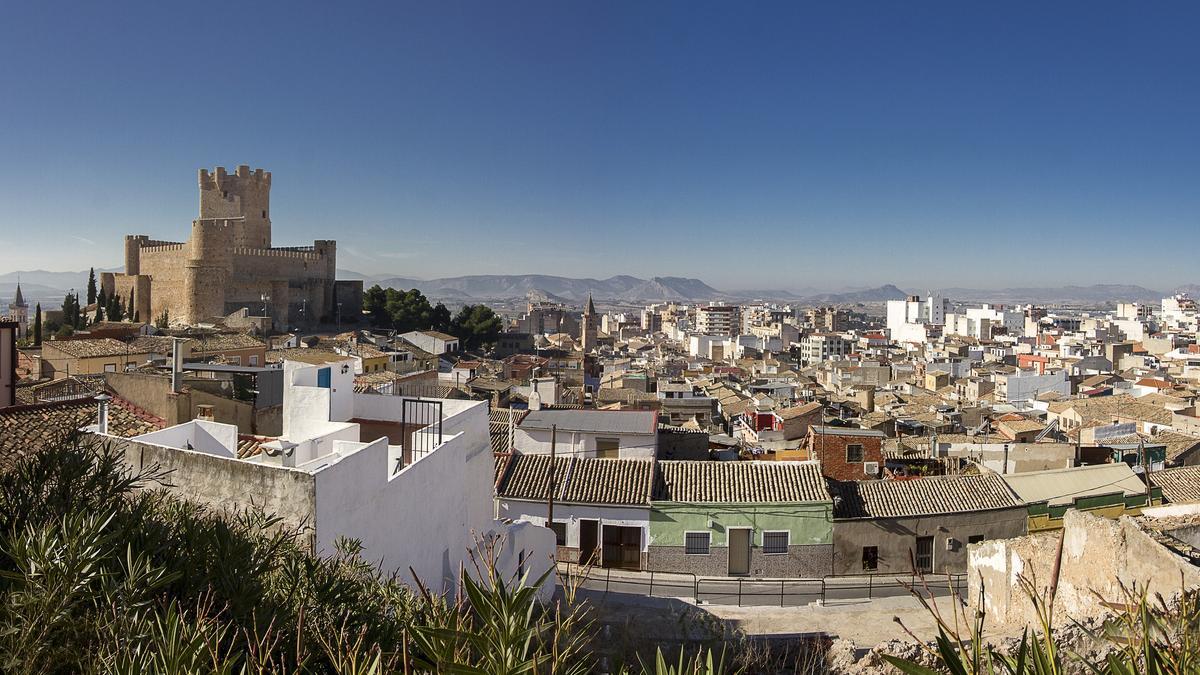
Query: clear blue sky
[(753, 145)]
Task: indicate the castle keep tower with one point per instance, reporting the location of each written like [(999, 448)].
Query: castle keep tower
[(245, 195)]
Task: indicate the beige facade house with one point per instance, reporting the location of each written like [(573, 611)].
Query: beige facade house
[(61, 358), (228, 262)]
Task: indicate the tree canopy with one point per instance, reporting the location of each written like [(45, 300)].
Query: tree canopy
[(474, 325)]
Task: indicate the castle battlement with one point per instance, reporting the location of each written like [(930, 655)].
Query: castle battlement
[(160, 248), (219, 178), (278, 253)]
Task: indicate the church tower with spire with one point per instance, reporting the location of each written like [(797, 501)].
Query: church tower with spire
[(588, 327), (19, 311)]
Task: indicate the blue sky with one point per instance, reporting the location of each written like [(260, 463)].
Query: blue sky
[(753, 145)]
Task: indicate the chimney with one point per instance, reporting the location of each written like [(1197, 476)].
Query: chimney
[(8, 363), (280, 452), (176, 365), (102, 414), (204, 412)]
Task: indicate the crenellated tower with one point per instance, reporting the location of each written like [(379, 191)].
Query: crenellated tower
[(244, 195)]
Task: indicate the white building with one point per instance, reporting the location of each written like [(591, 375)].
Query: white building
[(818, 347), (712, 347), (982, 322), (411, 479), (1180, 311), (432, 341), (601, 507), (916, 320), (1026, 385), (605, 434)]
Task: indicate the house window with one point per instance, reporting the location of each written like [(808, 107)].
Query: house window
[(870, 560), (608, 448), (776, 542), (235, 360), (696, 543), (854, 453), (560, 532), (924, 556), (110, 367), (254, 360), (975, 539)]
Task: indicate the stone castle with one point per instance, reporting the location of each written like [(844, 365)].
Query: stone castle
[(228, 263)]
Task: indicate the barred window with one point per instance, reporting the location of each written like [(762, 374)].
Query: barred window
[(696, 543), (775, 542), (560, 532), (854, 453)]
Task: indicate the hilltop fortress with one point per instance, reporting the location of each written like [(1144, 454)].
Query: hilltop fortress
[(228, 263)]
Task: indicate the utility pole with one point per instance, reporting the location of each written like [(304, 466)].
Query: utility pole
[(550, 494)]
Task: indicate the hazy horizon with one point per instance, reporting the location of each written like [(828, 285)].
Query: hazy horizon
[(771, 146)]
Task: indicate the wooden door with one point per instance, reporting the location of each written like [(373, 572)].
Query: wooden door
[(739, 551)]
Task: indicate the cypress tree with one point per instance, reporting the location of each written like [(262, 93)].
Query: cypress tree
[(91, 291), (37, 325)]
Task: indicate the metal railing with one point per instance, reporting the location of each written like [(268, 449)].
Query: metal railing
[(750, 591)]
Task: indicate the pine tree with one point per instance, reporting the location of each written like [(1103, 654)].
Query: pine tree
[(37, 325), (91, 291)]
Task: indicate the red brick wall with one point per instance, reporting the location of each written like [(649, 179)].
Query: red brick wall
[(830, 450)]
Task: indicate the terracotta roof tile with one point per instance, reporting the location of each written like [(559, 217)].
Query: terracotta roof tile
[(29, 428), (740, 482), (1180, 485), (580, 480), (929, 496)]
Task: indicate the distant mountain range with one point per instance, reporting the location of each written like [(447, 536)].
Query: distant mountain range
[(50, 287), (503, 287)]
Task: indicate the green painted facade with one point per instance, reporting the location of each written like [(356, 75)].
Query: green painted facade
[(808, 523)]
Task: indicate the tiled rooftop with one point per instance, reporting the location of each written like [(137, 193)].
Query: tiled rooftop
[(29, 428), (1180, 485), (92, 347), (580, 480), (740, 482), (929, 496)]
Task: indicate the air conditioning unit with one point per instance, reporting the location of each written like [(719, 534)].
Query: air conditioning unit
[(871, 468)]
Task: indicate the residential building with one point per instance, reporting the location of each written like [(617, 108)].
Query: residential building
[(601, 506), (410, 479), (915, 319), (922, 524), (432, 341), (718, 320), (846, 453), (604, 434), (1025, 385), (1109, 490), (61, 358), (818, 347), (769, 519)]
